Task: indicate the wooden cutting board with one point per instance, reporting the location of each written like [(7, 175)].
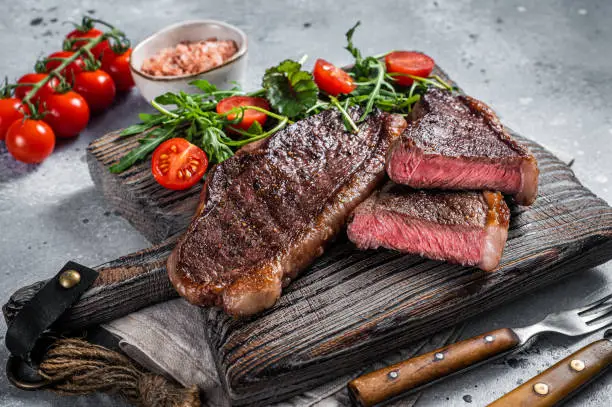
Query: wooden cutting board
[(352, 306)]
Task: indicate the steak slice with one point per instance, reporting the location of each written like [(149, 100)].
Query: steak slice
[(268, 212), (457, 142), (465, 227)]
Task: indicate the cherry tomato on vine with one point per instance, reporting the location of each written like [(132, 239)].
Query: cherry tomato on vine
[(72, 69), (101, 51), (332, 79), (409, 62), (67, 113), (30, 141), (177, 164), (42, 93), (250, 115), (119, 69), (11, 110), (97, 88)]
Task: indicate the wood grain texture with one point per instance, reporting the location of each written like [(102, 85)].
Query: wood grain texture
[(560, 380), (383, 384), (351, 306), (155, 211)]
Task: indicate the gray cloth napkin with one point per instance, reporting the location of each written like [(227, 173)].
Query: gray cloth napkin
[(169, 339)]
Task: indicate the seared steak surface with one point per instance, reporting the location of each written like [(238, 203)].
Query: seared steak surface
[(267, 212), (468, 228), (457, 142)]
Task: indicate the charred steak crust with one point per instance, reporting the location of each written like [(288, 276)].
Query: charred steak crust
[(465, 227), (468, 136), (268, 212)]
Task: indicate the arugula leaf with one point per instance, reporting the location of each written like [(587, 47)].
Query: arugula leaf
[(147, 146), (154, 120), (212, 143), (350, 47), (255, 128), (289, 90), (204, 85)]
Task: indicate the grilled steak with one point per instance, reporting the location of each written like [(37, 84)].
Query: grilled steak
[(468, 228), (457, 142), (268, 212)]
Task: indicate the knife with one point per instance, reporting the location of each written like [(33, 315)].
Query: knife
[(415, 373), (563, 379)]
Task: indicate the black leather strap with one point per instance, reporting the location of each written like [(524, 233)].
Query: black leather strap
[(37, 316)]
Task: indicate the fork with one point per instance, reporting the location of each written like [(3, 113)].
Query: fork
[(426, 369)]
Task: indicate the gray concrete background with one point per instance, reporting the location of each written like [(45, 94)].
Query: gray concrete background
[(546, 68)]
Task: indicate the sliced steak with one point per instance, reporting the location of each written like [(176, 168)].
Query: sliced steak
[(269, 211), (469, 228), (457, 142)]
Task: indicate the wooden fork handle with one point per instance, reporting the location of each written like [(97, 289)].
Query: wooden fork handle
[(559, 381), (380, 385)]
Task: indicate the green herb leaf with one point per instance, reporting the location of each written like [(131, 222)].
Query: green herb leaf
[(212, 143), (204, 85), (169, 98), (142, 127), (350, 47), (289, 90), (255, 128), (146, 147)]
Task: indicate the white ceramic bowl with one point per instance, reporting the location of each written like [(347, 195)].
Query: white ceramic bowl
[(222, 76)]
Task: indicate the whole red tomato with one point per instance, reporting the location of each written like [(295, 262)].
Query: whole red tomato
[(72, 69), (97, 87), (119, 70), (30, 141), (67, 113), (49, 88), (102, 51), (11, 110)]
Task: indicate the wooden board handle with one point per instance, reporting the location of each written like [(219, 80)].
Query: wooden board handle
[(559, 381), (380, 385)]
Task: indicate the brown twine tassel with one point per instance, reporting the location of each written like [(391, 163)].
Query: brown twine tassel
[(75, 366)]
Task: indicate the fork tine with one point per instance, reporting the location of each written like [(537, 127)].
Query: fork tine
[(600, 322), (597, 311), (594, 304)]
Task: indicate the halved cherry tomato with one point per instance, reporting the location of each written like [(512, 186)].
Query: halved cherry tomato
[(30, 141), (102, 51), (250, 115), (97, 88), (177, 164), (331, 79), (11, 110), (72, 69), (408, 62), (67, 113), (49, 88), (119, 69)]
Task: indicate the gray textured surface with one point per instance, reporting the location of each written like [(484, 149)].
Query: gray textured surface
[(545, 68)]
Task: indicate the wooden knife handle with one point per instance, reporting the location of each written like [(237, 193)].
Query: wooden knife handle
[(559, 381), (380, 385)]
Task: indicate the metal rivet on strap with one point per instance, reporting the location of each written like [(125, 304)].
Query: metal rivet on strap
[(393, 374), (577, 365), (489, 338), (439, 356), (541, 388), (69, 278)]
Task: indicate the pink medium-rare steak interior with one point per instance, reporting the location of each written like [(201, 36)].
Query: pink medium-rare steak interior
[(469, 228), (457, 142), (270, 210)]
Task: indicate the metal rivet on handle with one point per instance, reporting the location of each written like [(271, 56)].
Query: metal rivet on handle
[(439, 356), (489, 338), (69, 278), (393, 374), (577, 364), (541, 388)]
